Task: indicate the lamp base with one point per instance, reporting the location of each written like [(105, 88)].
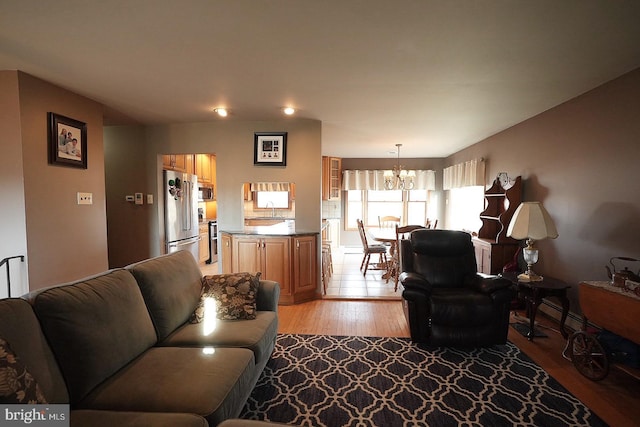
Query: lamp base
[(529, 277)]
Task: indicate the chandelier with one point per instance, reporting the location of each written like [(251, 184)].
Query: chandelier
[(398, 178)]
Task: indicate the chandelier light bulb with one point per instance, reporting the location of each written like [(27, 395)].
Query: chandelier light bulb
[(288, 110)]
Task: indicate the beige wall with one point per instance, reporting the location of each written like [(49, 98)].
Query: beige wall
[(65, 241), (12, 208), (232, 143), (581, 160)]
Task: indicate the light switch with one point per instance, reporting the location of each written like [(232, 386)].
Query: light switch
[(139, 200), (149, 199)]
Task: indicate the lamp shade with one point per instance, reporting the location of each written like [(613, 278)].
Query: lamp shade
[(532, 221)]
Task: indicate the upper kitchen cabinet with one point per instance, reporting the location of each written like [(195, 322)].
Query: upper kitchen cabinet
[(204, 167), (178, 162), (331, 178)]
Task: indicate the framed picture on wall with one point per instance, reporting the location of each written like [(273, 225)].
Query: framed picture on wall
[(67, 141), (270, 149)]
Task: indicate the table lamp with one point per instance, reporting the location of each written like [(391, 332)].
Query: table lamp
[(531, 221)]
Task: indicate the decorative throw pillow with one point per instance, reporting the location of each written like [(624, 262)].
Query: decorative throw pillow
[(16, 383), (235, 296)]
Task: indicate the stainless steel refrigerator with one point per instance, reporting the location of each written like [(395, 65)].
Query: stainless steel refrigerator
[(181, 212)]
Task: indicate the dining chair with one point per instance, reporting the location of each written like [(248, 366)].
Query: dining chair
[(369, 249), (388, 221), (401, 233)]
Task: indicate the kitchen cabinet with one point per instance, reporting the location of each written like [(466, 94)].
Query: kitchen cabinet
[(290, 260), (331, 178), (203, 168), (225, 240), (203, 244), (178, 162), (492, 246)]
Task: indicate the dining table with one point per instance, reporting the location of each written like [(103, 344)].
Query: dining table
[(388, 236)]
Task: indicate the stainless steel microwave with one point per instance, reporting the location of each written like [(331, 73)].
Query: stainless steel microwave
[(205, 193)]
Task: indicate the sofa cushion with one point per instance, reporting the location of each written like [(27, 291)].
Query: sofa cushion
[(20, 327), (17, 385), (258, 334), (234, 295), (93, 418), (89, 327), (214, 384), (171, 286)]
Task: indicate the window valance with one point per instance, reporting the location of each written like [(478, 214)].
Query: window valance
[(465, 174), (270, 186), (374, 180)]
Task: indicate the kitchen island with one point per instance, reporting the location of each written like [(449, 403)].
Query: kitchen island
[(280, 253)]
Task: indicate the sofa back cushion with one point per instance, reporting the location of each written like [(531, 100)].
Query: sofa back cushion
[(95, 326), (19, 327), (171, 286)]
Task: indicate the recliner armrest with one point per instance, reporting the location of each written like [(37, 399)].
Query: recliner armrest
[(489, 284), (415, 281), (268, 296)]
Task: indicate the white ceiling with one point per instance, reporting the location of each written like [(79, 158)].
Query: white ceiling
[(436, 76)]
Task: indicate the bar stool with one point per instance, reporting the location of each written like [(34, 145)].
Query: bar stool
[(327, 265)]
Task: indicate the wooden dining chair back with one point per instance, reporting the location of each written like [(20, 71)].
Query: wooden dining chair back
[(388, 221), (401, 233), (369, 249), (432, 223)]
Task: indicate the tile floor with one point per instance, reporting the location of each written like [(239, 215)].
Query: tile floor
[(347, 281)]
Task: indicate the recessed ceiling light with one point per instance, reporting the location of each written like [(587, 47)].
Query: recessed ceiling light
[(288, 110), (222, 112)]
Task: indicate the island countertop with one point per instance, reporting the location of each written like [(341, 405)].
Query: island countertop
[(285, 228)]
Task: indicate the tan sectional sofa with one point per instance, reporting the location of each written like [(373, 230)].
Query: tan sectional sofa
[(118, 346)]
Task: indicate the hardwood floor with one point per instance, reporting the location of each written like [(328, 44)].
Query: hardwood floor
[(616, 399)]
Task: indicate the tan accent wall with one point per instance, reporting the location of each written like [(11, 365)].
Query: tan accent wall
[(581, 159), (65, 241)]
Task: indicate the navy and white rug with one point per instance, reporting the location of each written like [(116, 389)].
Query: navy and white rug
[(319, 380)]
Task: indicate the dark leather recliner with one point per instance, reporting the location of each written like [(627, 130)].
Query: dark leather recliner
[(446, 302)]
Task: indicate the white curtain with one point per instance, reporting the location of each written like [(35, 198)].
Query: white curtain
[(374, 180), (467, 174), (270, 186)]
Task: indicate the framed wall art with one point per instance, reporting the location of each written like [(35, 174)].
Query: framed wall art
[(67, 141), (270, 149)]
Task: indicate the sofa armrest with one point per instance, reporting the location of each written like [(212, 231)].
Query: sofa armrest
[(268, 296)]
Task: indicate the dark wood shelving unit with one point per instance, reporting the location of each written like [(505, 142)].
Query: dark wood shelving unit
[(493, 248)]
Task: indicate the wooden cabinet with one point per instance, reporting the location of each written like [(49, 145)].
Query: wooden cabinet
[(178, 162), (289, 260), (304, 265), (203, 168), (203, 244), (493, 248), (226, 253), (331, 178)]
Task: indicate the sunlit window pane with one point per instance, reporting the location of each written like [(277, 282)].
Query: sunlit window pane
[(272, 199)]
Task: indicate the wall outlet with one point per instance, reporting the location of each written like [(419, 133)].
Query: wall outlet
[(85, 198), (129, 198)]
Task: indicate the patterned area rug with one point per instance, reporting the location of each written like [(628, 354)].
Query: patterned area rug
[(319, 380)]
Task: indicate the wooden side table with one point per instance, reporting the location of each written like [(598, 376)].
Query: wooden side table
[(533, 294)]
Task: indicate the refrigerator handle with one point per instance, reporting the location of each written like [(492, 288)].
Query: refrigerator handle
[(186, 207)]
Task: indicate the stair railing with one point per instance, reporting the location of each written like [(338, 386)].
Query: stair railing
[(6, 262)]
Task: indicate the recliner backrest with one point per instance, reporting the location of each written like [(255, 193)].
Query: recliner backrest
[(446, 258)]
